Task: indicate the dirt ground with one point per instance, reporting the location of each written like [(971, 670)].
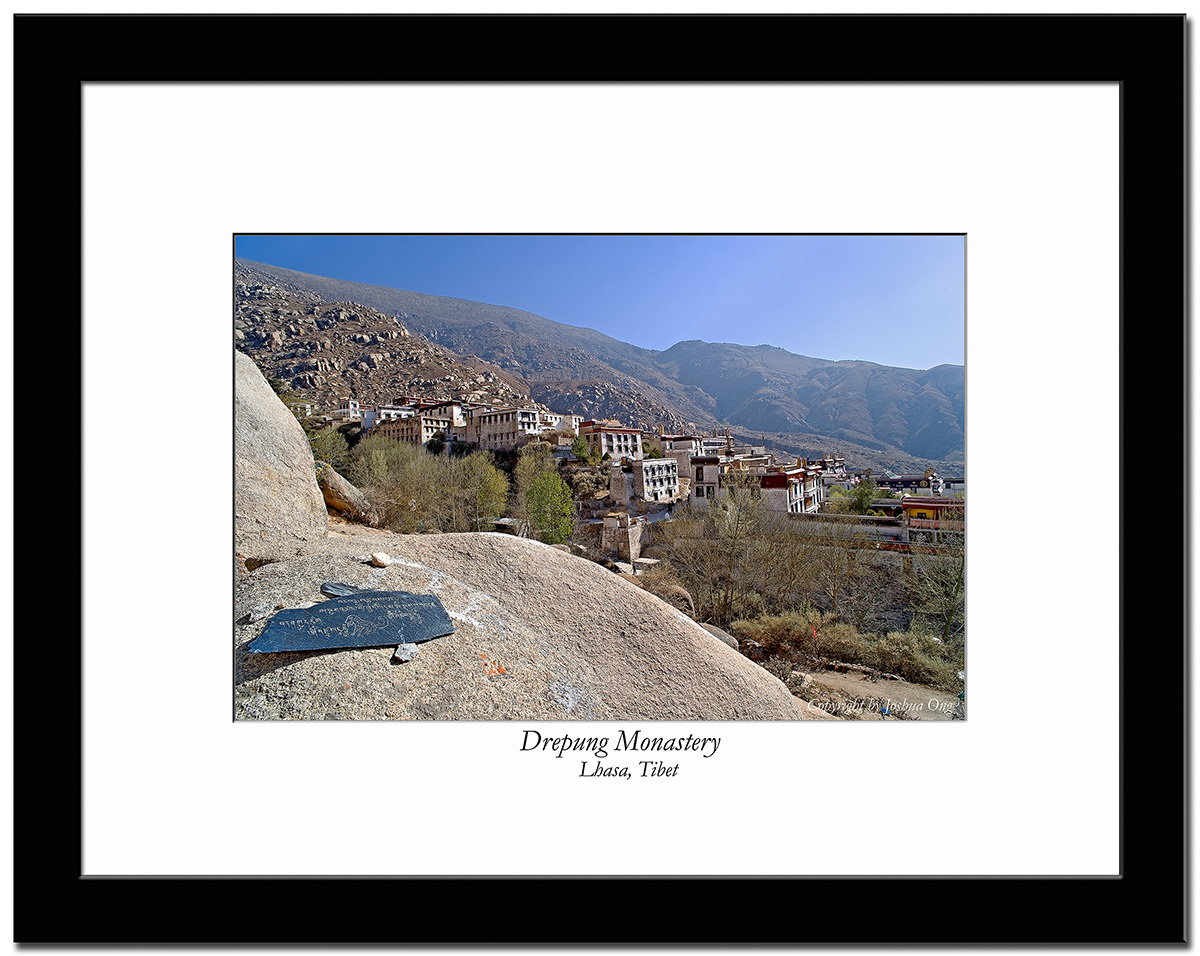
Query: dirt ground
[(855, 696)]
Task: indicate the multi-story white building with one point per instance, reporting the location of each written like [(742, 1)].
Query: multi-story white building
[(495, 427), (677, 443), (529, 422), (812, 491), (349, 408), (794, 489), (498, 427), (656, 479), (385, 413), (556, 421), (612, 439), (455, 411), (810, 488), (783, 491)]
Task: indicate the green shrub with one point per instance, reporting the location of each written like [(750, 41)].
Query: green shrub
[(330, 446), (413, 490), (377, 458), (549, 509)]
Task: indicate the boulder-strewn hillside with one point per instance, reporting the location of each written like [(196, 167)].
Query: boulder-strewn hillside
[(327, 350), (538, 632), (876, 416)]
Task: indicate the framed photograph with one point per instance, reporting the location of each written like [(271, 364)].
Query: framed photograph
[(1054, 144), (604, 521)]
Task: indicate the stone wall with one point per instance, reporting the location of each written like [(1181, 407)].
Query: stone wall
[(622, 534)]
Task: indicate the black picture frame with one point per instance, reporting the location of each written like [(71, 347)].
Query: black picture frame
[(55, 55)]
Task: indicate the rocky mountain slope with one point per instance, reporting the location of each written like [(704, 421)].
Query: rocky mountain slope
[(767, 388), (327, 350), (876, 416)]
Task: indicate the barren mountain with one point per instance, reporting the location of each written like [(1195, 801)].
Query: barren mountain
[(325, 349), (767, 388), (876, 416)]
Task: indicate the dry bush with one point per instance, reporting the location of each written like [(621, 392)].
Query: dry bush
[(912, 656), (791, 633), (919, 659), (584, 482)]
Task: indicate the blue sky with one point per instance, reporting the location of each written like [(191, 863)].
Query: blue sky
[(894, 300)]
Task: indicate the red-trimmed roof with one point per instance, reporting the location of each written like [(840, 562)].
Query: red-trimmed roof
[(774, 481)]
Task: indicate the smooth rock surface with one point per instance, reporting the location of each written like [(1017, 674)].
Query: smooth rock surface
[(278, 509), (574, 640)]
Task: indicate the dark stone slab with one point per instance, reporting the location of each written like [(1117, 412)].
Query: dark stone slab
[(338, 589), (360, 619)]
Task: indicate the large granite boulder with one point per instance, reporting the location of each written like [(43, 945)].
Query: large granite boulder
[(278, 510), (539, 634), (342, 496), (720, 635)]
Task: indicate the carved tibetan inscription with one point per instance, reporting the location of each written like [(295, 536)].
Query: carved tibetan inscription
[(361, 619)]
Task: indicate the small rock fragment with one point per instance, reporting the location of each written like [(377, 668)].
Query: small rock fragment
[(380, 559), (405, 653)]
